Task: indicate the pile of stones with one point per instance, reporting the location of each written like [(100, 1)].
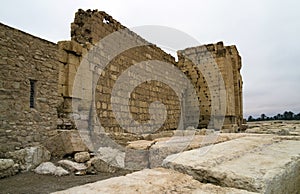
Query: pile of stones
[(105, 160)]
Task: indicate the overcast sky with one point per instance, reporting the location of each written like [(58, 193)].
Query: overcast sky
[(266, 33)]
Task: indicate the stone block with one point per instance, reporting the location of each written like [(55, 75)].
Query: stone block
[(70, 46), (257, 163), (114, 157), (66, 142), (183, 142), (96, 164), (136, 159), (140, 145), (152, 181)]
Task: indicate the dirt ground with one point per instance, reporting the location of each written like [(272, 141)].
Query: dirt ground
[(33, 183)]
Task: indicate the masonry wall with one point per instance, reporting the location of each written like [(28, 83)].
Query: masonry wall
[(23, 58), (211, 59), (101, 70), (75, 83), (104, 65)]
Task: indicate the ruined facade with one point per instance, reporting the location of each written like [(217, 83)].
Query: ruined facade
[(70, 85), (214, 59)]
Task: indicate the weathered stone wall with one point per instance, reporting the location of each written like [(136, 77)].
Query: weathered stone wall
[(75, 81), (108, 55), (212, 59), (24, 57), (102, 67)]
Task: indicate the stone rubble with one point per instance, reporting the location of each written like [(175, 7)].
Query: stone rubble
[(30, 157), (50, 169), (274, 127), (72, 166)]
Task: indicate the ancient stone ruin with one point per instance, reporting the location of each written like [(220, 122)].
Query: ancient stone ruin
[(38, 80), (108, 100)]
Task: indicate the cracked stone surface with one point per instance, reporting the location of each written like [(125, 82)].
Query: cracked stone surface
[(157, 180), (258, 163)]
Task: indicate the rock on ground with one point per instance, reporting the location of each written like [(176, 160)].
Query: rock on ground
[(50, 168), (66, 142), (152, 181), (72, 166), (6, 163), (113, 157), (8, 168), (30, 157), (258, 163), (96, 164), (82, 157)]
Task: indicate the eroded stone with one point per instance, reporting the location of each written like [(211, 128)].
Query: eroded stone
[(152, 181), (258, 163), (50, 168)]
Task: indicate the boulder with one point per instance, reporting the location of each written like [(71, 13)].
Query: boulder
[(8, 168), (50, 168), (6, 163), (82, 157)]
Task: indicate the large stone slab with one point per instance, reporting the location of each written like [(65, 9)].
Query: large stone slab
[(258, 163), (66, 142), (167, 146), (151, 181)]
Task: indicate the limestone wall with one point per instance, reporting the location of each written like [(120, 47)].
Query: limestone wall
[(210, 60), (107, 55), (104, 57), (108, 75), (24, 57)]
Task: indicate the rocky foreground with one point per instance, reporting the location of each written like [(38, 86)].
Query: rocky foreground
[(263, 159)]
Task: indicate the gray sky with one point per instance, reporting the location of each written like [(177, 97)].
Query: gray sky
[(266, 33)]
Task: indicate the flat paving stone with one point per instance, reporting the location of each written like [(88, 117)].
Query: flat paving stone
[(157, 180), (257, 163)]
